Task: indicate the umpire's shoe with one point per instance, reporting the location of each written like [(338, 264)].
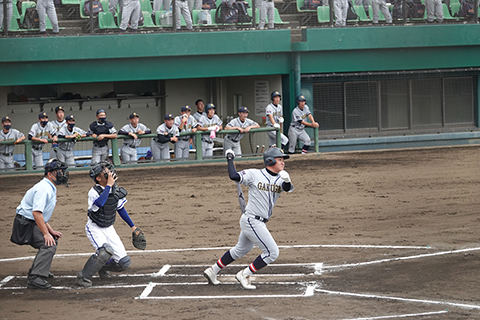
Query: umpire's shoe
[(37, 282), (244, 281), (211, 276)]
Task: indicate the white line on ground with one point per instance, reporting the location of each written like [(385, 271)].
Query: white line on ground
[(361, 295), (57, 256), (5, 280), (401, 315), (347, 265), (162, 271), (147, 290)]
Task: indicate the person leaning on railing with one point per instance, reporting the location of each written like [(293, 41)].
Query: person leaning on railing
[(133, 129), (6, 150)]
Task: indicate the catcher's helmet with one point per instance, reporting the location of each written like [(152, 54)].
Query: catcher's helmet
[(210, 106), (275, 94), (59, 169), (99, 168), (300, 98), (272, 153)]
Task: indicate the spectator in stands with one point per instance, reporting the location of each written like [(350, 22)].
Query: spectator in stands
[(65, 149), (166, 132), (130, 14), (341, 9), (195, 5), (434, 10), (39, 133), (162, 5), (200, 107), (365, 4), (134, 129), (185, 123), (8, 15), (181, 9), (44, 8), (102, 130), (6, 150), (57, 125), (267, 8), (382, 6)]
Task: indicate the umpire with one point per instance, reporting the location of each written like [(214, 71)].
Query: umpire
[(31, 223)]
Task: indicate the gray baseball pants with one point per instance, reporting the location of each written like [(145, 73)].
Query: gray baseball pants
[(44, 8), (66, 156), (207, 149), (9, 14), (294, 134), (112, 6), (182, 10), (266, 8), (194, 5), (160, 151), (129, 155), (130, 13), (434, 10), (99, 154), (364, 3), (272, 139), (235, 146), (43, 259), (182, 149), (382, 6), (341, 9), (37, 157), (6, 162)]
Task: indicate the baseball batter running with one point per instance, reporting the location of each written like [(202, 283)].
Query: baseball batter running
[(265, 187), (105, 199)]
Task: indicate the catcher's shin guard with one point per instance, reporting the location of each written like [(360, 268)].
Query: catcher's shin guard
[(119, 266), (96, 262)]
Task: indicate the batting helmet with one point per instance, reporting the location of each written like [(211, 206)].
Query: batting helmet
[(99, 168), (59, 169), (300, 98), (210, 106), (272, 153), (275, 94)]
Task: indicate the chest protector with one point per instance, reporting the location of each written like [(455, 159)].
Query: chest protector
[(104, 129), (105, 216)]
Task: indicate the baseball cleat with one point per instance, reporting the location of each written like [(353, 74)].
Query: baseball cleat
[(36, 282), (244, 281), (211, 276)]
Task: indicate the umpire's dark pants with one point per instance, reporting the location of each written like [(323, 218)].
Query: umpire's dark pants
[(43, 260)]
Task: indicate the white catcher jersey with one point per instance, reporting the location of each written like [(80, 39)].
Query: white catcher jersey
[(298, 116), (264, 191), (238, 123), (276, 111), (11, 135), (64, 131), (93, 195), (129, 128), (207, 122)]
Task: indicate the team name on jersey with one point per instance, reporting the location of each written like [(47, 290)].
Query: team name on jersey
[(41, 134), (269, 187)]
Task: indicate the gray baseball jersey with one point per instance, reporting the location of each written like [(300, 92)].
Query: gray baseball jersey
[(207, 122), (57, 125), (64, 131), (276, 111), (11, 135), (197, 115), (129, 128), (238, 123), (298, 116), (162, 129), (41, 132), (191, 123), (264, 191)]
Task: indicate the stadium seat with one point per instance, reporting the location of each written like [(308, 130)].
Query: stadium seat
[(455, 7), (278, 19), (106, 21), (257, 14), (323, 14), (16, 14), (147, 20), (381, 17), (64, 2), (146, 5), (362, 15), (158, 20), (13, 26), (446, 13), (25, 5)]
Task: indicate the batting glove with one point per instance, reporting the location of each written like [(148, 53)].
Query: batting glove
[(229, 154), (280, 120), (285, 176), (276, 125)]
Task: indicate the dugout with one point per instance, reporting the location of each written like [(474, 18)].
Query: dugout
[(366, 86)]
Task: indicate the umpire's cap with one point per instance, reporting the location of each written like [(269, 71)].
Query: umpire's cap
[(275, 94), (210, 106), (301, 98), (272, 153), (54, 164)]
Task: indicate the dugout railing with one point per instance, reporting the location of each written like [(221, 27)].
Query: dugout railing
[(26, 150)]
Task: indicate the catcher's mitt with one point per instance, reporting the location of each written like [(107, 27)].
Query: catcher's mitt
[(138, 239)]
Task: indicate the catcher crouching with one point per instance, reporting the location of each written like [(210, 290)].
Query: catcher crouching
[(105, 199)]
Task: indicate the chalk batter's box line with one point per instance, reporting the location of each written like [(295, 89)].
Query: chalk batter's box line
[(66, 255)]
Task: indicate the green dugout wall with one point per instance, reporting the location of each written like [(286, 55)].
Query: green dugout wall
[(158, 56)]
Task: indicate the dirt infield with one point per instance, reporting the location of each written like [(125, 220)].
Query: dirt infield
[(396, 231)]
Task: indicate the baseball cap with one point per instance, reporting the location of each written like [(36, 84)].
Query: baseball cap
[(185, 108), (59, 108), (243, 109), (301, 98), (210, 106), (42, 115), (6, 118), (133, 115), (100, 111), (70, 117), (169, 116)]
